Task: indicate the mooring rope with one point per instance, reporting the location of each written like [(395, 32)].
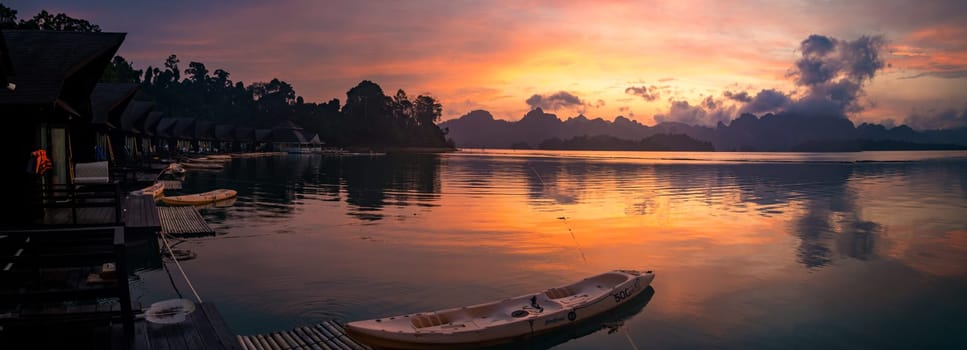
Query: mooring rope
[(632, 342), (562, 218), (188, 281)]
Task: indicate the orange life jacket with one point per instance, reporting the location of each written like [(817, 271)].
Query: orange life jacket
[(42, 163)]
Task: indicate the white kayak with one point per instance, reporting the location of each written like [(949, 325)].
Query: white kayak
[(506, 320)]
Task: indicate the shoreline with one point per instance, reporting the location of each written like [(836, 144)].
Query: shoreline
[(364, 149)]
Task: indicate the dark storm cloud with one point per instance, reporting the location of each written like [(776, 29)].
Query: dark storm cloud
[(834, 72), (933, 119), (738, 96), (554, 101), (708, 113), (643, 92), (767, 100), (817, 45), (825, 59)]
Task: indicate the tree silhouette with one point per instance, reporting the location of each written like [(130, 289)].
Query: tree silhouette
[(45, 21), (369, 117), (8, 18), (428, 110), (121, 71)]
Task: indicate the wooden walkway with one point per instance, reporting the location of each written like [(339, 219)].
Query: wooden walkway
[(203, 329), (183, 221), (328, 335), (140, 214)]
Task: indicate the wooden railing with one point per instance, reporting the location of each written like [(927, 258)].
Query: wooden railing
[(56, 275), (74, 197)]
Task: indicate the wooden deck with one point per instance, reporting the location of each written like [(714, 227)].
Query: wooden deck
[(140, 214), (204, 329), (61, 278), (183, 221), (85, 216), (326, 335)]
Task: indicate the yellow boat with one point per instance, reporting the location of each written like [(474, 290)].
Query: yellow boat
[(219, 157), (155, 191), (200, 198), (204, 160), (213, 166)]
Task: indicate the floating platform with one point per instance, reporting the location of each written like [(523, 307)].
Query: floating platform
[(184, 220), (173, 185), (326, 335)]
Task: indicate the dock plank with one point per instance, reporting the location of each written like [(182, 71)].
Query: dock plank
[(222, 332), (140, 213), (195, 332)]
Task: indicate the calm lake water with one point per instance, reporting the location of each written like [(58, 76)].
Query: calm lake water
[(844, 250)]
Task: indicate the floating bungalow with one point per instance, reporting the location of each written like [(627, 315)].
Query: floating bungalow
[(108, 102), (184, 134), (164, 135), (65, 284), (136, 138), (148, 128), (204, 137), (263, 140), (289, 137), (244, 139), (224, 137), (47, 98)]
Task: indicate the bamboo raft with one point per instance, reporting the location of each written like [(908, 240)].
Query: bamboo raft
[(171, 184), (183, 221), (328, 335)]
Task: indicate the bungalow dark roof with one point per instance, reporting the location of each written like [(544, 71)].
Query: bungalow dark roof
[(57, 67), (184, 128), (263, 135), (204, 130), (315, 140), (244, 134), (134, 116), (150, 124), (288, 132), (288, 124), (166, 127), (225, 132), (288, 136), (108, 102)]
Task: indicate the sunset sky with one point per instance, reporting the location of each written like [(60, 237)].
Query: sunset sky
[(646, 60)]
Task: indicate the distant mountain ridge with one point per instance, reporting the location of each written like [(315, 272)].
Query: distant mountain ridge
[(657, 142), (784, 131)]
